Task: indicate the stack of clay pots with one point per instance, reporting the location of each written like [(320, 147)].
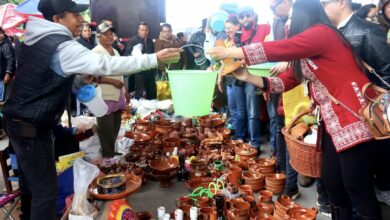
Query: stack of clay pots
[(298, 213), (275, 183), (282, 204), (264, 165), (255, 179), (245, 152)]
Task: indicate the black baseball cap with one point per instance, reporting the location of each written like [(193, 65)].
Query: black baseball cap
[(49, 8)]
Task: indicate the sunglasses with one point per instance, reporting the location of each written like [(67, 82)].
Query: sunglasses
[(244, 15)]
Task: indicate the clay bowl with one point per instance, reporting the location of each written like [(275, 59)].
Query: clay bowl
[(302, 213), (194, 183), (264, 216), (225, 132), (276, 178), (266, 162), (187, 122), (163, 126), (245, 152), (197, 164), (142, 125), (172, 142), (139, 138), (163, 165), (246, 189), (265, 196), (283, 203)]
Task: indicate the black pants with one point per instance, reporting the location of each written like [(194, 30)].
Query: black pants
[(348, 179), (37, 172), (145, 82), (382, 173)]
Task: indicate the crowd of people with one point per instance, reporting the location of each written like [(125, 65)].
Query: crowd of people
[(312, 40)]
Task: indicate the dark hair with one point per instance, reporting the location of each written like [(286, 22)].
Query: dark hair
[(233, 20), (167, 26), (143, 23), (60, 15), (307, 13), (180, 35), (363, 11), (355, 6)]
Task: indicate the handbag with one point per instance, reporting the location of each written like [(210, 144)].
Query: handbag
[(163, 89), (376, 112)]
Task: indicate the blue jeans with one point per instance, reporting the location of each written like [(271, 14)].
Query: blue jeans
[(272, 111), (241, 122), (253, 114), (232, 105)]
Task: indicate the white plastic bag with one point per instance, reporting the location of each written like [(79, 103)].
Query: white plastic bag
[(123, 145), (84, 173)]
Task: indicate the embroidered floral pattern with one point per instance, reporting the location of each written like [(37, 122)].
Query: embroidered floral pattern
[(254, 53), (359, 94), (343, 137), (276, 85)]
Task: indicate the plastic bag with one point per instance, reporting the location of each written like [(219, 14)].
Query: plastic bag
[(84, 174), (91, 148), (123, 145)]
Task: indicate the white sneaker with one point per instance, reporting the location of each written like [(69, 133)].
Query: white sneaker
[(383, 196)]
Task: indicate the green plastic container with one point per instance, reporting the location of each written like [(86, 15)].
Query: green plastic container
[(192, 91), (261, 69)]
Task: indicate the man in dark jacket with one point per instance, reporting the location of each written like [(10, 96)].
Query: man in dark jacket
[(85, 37), (369, 44), (49, 59), (142, 44), (7, 61)]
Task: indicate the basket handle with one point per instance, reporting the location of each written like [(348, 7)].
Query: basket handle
[(377, 90), (296, 118)]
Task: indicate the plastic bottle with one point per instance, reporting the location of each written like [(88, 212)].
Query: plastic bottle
[(160, 212), (178, 214)]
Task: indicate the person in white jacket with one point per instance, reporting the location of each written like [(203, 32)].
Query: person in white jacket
[(48, 61)]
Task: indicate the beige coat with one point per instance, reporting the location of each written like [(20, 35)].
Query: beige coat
[(109, 92)]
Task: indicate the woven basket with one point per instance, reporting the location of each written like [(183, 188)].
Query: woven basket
[(305, 158)]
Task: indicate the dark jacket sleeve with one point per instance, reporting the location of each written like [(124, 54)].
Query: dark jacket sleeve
[(376, 53), (129, 47), (9, 54)]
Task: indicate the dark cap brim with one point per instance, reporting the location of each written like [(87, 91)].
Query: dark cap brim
[(79, 8)]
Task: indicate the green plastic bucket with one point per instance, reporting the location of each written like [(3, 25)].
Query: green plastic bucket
[(261, 69), (192, 91)]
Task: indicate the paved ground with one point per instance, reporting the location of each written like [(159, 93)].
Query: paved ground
[(151, 196)]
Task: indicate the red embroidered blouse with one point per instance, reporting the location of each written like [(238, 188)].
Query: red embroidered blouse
[(328, 64)]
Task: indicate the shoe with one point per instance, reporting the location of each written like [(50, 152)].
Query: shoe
[(292, 193), (305, 181), (383, 196), (324, 210)]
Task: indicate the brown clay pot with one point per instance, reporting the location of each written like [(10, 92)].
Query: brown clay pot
[(235, 175), (246, 190), (302, 213), (245, 152), (184, 200), (265, 196), (163, 165), (266, 208), (203, 201), (207, 213), (225, 132), (163, 126)]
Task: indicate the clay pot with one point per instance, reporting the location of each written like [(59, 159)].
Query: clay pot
[(246, 190), (207, 213), (265, 196), (139, 138), (144, 215), (235, 175), (176, 125), (225, 132), (275, 182), (245, 152), (203, 201), (266, 165), (302, 213), (267, 208), (163, 165), (174, 134), (187, 123), (239, 210), (163, 126), (142, 125), (282, 204), (184, 200)]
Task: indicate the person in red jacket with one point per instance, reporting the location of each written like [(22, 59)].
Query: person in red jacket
[(319, 53)]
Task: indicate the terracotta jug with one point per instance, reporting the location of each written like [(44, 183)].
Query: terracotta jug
[(208, 213), (235, 175)]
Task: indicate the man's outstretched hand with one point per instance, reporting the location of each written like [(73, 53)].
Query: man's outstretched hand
[(168, 55)]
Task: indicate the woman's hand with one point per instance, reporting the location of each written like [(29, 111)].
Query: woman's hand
[(242, 74), (279, 68), (218, 53)]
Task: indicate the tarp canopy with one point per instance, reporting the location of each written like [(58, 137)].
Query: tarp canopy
[(10, 19)]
